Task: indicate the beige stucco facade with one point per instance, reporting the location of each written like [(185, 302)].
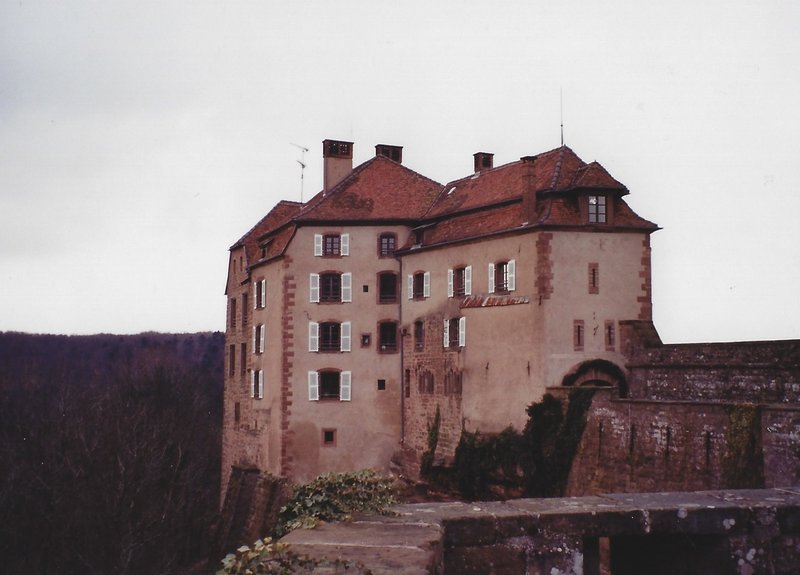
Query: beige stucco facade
[(354, 381)]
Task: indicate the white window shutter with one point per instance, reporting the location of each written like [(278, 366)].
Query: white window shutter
[(512, 275), (491, 278), (313, 288), (347, 287), (317, 244), (263, 293), (426, 286), (262, 342), (468, 280), (255, 349), (344, 244), (449, 283), (410, 286), (313, 386), (253, 383), (344, 337), (446, 331), (313, 336), (255, 295), (462, 331), (260, 384), (345, 380)]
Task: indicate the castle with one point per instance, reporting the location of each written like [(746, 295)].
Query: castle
[(354, 317)]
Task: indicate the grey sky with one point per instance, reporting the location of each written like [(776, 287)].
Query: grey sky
[(139, 140)]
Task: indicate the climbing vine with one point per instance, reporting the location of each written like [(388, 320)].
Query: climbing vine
[(426, 461)]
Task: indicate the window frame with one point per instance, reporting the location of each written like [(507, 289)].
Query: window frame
[(315, 383), (597, 209), (503, 276), (419, 285), (384, 239), (459, 281), (394, 298), (331, 245), (394, 345)]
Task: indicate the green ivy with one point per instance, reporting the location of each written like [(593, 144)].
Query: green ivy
[(426, 461), (535, 463), (334, 497), (277, 558)]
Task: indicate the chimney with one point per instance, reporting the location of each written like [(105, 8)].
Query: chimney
[(483, 161), (337, 162), (528, 188), (394, 153)]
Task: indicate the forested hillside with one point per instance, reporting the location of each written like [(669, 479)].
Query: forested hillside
[(109, 451)]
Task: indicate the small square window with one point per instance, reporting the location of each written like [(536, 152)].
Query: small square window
[(329, 437), (365, 340), (381, 384), (365, 288), (597, 209)]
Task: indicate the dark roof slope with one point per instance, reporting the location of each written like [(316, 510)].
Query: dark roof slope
[(277, 217)]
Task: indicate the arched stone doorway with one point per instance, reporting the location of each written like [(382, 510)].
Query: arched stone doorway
[(597, 373)]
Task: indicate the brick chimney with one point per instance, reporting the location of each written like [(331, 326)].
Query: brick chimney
[(483, 161), (337, 162), (394, 153), (528, 188)]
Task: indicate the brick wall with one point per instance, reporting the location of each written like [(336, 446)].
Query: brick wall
[(420, 406), (641, 446)]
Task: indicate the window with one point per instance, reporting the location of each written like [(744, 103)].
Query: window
[(231, 360), (329, 384), (330, 287), (419, 285), (407, 383), (387, 243), (257, 384), (597, 209), (459, 281), (387, 287), (419, 335), (237, 414), (453, 382), (233, 313), (381, 385), (502, 276), (577, 334), (594, 278), (425, 382), (243, 359), (331, 245), (455, 332), (365, 339), (328, 336), (259, 335), (329, 437), (244, 309), (260, 294), (611, 338), (387, 336)]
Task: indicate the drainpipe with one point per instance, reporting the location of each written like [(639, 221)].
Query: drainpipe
[(402, 356)]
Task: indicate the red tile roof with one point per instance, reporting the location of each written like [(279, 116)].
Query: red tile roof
[(379, 189), (541, 190)]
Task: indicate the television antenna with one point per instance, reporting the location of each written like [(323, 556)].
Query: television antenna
[(302, 162)]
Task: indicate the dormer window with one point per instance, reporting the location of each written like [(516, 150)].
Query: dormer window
[(597, 209)]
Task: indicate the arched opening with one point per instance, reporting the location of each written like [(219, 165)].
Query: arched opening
[(597, 373)]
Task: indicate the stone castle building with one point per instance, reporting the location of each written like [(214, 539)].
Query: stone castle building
[(353, 316)]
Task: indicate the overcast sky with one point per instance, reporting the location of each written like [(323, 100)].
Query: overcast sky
[(139, 140)]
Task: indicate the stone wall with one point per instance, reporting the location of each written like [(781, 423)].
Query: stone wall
[(640, 445)]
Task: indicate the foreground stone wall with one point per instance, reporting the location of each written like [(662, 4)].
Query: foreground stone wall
[(633, 445), (738, 532)]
